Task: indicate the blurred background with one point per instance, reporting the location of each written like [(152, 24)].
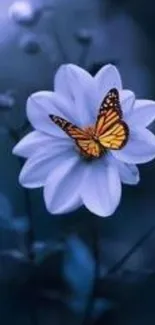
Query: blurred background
[(79, 268)]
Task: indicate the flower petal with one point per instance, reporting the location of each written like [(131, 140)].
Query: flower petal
[(143, 113), (43, 103), (107, 78), (30, 143), (34, 141), (129, 174), (78, 86), (37, 168), (140, 147), (62, 189), (127, 99), (101, 190)]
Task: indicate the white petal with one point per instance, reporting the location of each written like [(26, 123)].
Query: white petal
[(140, 148), (101, 190), (129, 174), (107, 78), (143, 113), (37, 168), (78, 86), (30, 143), (36, 141), (43, 103), (62, 189), (127, 100)]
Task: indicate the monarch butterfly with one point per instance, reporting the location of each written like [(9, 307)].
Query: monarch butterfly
[(109, 131)]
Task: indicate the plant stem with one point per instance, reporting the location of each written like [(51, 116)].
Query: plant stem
[(118, 265), (15, 135), (30, 237), (30, 234), (90, 305)]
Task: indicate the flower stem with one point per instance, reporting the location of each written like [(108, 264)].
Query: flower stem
[(30, 234), (138, 244), (15, 135), (30, 237), (96, 245)]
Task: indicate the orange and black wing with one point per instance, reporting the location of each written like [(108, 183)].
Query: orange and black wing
[(83, 140), (90, 148), (111, 131), (115, 137), (72, 130)]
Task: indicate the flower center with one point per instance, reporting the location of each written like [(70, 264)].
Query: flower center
[(90, 147), (90, 130)]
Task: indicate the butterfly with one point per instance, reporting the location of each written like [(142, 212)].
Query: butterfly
[(109, 132)]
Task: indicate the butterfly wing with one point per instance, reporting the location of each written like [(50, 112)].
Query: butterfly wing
[(111, 131), (115, 137), (72, 130), (109, 112), (83, 140), (90, 148)]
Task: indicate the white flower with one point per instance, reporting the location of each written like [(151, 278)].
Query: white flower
[(53, 160)]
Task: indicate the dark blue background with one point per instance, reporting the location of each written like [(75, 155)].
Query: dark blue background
[(79, 268)]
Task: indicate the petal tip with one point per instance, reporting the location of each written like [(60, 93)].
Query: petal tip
[(15, 150)]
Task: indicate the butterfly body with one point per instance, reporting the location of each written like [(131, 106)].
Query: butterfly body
[(109, 131)]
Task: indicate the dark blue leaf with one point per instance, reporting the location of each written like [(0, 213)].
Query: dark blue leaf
[(46, 250), (79, 267), (100, 306), (20, 224), (13, 266)]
